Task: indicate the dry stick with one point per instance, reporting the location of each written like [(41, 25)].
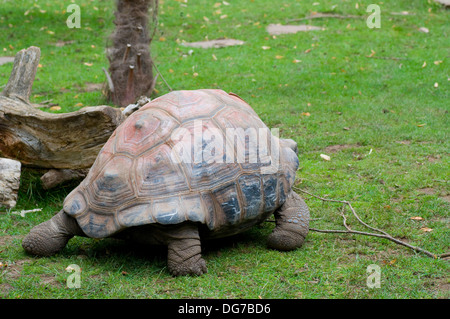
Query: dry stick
[(383, 235), (157, 70), (326, 15)]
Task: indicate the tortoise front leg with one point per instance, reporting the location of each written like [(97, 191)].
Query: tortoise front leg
[(184, 251), (50, 237), (292, 224)]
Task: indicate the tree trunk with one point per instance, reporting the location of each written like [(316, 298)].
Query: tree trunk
[(130, 70)]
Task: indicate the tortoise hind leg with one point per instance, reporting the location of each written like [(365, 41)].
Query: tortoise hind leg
[(50, 237), (184, 251), (292, 224)]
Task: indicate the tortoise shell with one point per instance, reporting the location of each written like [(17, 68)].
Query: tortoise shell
[(172, 161)]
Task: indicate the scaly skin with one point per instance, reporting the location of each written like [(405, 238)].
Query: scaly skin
[(184, 251), (292, 224), (183, 240), (50, 237)]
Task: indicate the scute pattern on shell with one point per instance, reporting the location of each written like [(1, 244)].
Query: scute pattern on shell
[(135, 181)]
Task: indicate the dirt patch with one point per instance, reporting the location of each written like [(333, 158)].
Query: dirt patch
[(440, 286), (339, 147), (426, 190), (5, 288), (446, 198), (91, 87), (13, 271), (433, 158), (403, 142), (61, 43), (49, 280), (397, 199), (6, 240)]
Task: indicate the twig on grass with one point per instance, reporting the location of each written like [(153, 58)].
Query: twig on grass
[(157, 70), (320, 15), (381, 233)]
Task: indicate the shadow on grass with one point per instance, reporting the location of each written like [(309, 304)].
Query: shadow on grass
[(114, 254)]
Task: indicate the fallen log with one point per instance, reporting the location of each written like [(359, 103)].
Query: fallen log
[(55, 177), (47, 140)]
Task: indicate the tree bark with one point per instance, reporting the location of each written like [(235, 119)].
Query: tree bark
[(130, 72)]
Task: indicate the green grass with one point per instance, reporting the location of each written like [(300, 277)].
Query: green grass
[(387, 103)]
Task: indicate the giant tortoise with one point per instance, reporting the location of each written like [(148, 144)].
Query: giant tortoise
[(188, 166)]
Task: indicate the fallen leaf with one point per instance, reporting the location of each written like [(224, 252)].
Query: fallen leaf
[(279, 57), (371, 54), (265, 47), (426, 229), (306, 114), (438, 62), (389, 263), (325, 157), (55, 108), (88, 64), (424, 64), (307, 51), (420, 125), (436, 84), (69, 269), (162, 39), (296, 61), (424, 30), (416, 218), (78, 105)]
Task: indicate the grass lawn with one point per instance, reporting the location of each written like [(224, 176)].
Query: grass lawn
[(375, 100)]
